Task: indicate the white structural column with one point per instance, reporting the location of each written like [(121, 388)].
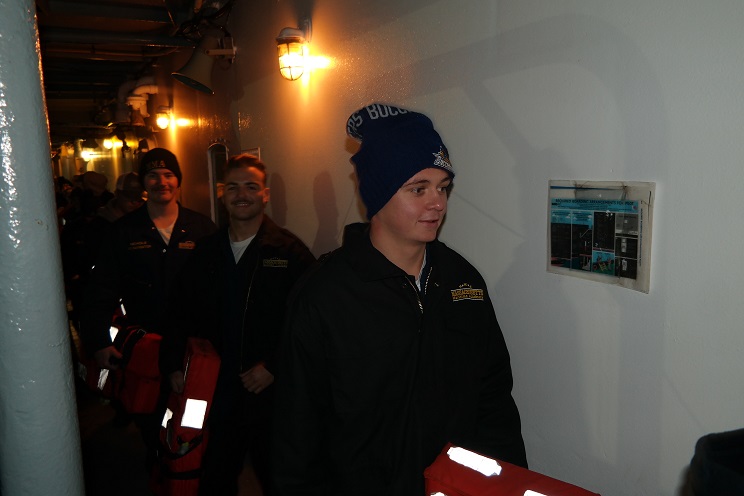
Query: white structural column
[(39, 435)]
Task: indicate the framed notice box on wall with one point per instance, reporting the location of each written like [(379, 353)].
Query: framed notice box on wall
[(601, 231)]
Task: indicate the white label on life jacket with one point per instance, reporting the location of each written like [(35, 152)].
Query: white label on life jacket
[(484, 465), (168, 415), (102, 377), (194, 413)]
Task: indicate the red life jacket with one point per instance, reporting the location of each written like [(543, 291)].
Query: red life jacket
[(139, 387), (449, 477), (183, 435)]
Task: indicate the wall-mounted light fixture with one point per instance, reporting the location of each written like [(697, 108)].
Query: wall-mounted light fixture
[(291, 46), (197, 73), (163, 117)]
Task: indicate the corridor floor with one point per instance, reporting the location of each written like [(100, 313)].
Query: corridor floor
[(113, 455)]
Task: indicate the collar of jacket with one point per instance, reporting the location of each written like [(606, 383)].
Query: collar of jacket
[(268, 233), (367, 261), (182, 221)]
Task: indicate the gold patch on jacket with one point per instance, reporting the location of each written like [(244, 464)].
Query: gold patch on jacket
[(139, 245), (276, 262), (466, 292), (186, 245)]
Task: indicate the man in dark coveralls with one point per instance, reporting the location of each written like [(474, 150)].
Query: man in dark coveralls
[(140, 257), (233, 292), (392, 347), (137, 262)]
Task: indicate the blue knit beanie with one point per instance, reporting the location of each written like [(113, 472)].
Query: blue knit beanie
[(396, 145)]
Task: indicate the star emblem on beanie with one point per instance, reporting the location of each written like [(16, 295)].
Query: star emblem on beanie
[(395, 145), (441, 159)]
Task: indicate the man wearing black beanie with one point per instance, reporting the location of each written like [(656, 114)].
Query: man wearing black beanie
[(392, 348), (137, 264), (142, 254)]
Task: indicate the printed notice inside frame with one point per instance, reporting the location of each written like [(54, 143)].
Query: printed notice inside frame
[(601, 231)]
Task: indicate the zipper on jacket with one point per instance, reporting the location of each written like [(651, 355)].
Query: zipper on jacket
[(416, 292), (426, 283), (245, 312)]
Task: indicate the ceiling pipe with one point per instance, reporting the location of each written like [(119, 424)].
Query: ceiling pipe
[(144, 85), (94, 54), (123, 12), (61, 35), (138, 97), (122, 109)]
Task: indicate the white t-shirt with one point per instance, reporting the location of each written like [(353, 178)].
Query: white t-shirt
[(166, 232), (238, 247)]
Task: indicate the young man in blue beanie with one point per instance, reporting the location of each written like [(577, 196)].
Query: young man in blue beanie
[(392, 347)]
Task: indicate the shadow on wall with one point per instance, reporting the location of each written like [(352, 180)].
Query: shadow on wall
[(324, 201), (352, 146), (278, 199)]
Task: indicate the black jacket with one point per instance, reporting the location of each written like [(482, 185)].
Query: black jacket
[(135, 264), (376, 377), (217, 298)]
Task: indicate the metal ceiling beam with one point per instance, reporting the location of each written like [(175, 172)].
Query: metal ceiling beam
[(62, 35), (103, 69), (93, 53), (130, 12), (83, 88)]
